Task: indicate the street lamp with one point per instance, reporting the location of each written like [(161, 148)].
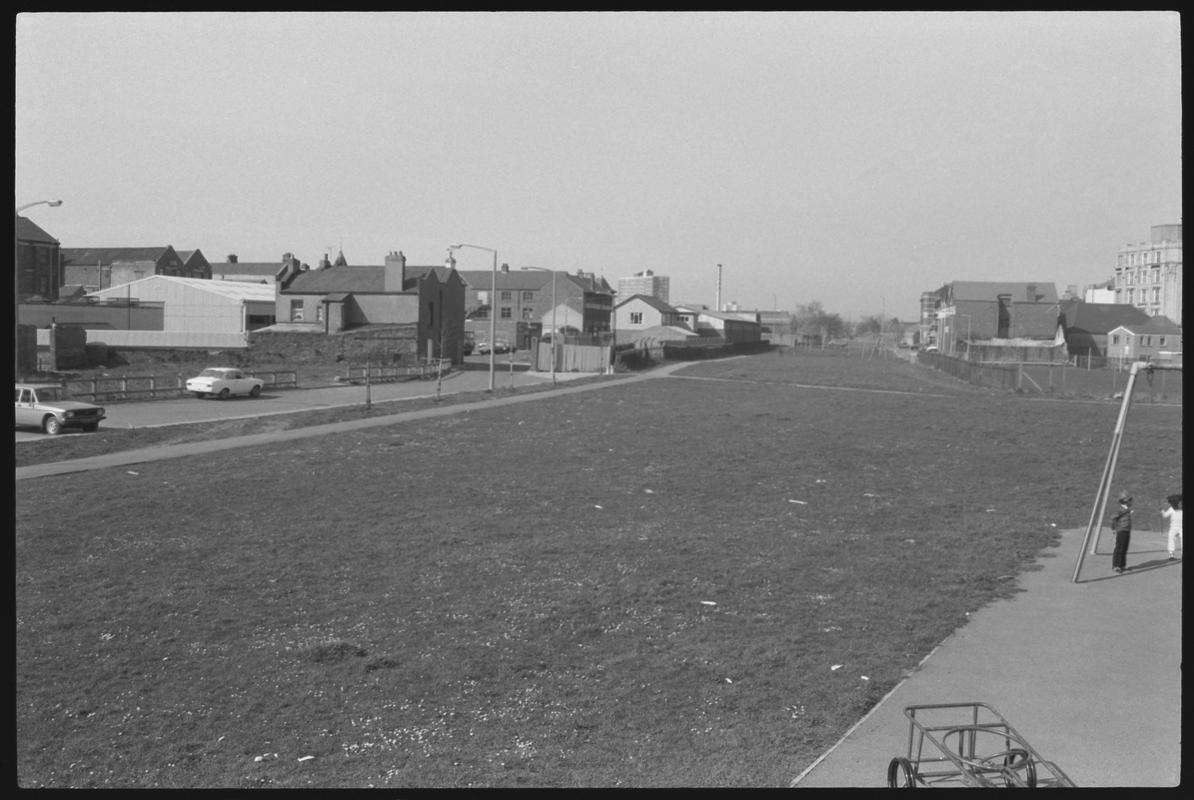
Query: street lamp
[(16, 284), (492, 307), (553, 319)]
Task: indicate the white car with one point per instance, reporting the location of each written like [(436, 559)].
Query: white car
[(49, 407), (223, 382)]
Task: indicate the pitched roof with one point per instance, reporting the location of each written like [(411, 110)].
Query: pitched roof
[(1100, 317), (1157, 324), (650, 300), (1042, 291), (29, 231), (348, 279), (266, 269), (88, 256), (232, 290)]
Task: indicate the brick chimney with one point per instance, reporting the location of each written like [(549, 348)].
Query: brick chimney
[(232, 258), (395, 272)]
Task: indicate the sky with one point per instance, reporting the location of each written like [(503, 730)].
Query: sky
[(855, 159)]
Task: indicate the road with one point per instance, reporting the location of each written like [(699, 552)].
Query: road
[(154, 413)]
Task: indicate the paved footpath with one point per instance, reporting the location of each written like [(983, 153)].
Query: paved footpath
[(1089, 673)]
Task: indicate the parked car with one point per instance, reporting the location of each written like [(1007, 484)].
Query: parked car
[(468, 347), (501, 346), (223, 382), (482, 349), (49, 407)]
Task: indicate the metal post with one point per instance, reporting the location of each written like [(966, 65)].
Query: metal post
[(1104, 491), (492, 308)]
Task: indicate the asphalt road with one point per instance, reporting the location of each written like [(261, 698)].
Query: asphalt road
[(154, 413)]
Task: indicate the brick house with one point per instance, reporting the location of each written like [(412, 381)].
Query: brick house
[(96, 268), (337, 297), (1154, 339), (39, 261), (1087, 325)]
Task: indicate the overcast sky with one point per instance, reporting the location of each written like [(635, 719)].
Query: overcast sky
[(856, 159)]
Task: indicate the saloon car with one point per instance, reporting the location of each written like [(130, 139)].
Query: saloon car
[(49, 407), (224, 382)]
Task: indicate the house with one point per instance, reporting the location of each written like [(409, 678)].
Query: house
[(194, 264), (730, 327), (1087, 325), (338, 297), (966, 312), (1155, 339), (643, 316), (233, 269), (99, 268), (197, 305), (524, 302), (39, 264)]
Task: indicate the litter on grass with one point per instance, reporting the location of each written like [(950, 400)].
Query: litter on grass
[(708, 603), (801, 502), (308, 758), (835, 667), (596, 506)]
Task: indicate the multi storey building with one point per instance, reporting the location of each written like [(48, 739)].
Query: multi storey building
[(1149, 275), (646, 283)]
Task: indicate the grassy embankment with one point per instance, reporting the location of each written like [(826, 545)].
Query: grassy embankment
[(672, 582)]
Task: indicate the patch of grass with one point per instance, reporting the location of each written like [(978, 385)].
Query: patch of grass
[(644, 585)]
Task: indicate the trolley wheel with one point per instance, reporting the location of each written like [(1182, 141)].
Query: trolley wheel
[(1015, 761), (900, 774)]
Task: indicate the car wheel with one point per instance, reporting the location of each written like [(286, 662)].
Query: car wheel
[(224, 393), (255, 392), (52, 425)]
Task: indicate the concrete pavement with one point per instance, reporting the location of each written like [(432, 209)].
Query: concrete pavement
[(1089, 673)]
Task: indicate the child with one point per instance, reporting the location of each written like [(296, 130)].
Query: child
[(1121, 523), (1174, 514)]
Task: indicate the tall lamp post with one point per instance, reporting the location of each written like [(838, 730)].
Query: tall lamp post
[(16, 284), (492, 308), (553, 319)]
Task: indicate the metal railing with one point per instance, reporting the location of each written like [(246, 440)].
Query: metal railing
[(115, 388)]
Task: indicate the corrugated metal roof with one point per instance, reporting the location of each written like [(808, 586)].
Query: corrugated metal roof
[(233, 290)]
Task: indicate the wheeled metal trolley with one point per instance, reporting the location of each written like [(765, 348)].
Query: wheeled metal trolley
[(969, 745)]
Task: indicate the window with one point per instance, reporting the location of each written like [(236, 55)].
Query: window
[(1115, 339), (296, 310), (319, 313), (1160, 341), (1146, 341), (1131, 297), (507, 296), (528, 297), (528, 312), (636, 318), (1156, 294), (507, 313)]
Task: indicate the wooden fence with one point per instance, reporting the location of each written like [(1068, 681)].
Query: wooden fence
[(381, 373)]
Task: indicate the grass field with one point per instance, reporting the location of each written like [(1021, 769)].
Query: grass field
[(686, 581)]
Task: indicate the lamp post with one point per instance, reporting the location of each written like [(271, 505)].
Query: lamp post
[(492, 308), (16, 284), (553, 319)]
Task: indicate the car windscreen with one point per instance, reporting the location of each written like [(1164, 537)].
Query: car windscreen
[(212, 373)]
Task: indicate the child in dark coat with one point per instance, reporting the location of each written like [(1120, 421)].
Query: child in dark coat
[(1121, 523)]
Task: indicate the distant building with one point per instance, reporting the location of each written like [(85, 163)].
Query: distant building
[(1155, 339), (39, 261), (338, 297), (233, 269), (97, 268), (1148, 275), (965, 312), (646, 283)]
